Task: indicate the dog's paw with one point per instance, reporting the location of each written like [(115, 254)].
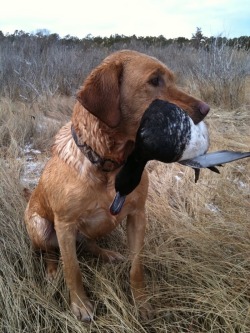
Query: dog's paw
[(51, 270), (144, 307), (111, 256), (146, 311), (104, 254), (83, 311)]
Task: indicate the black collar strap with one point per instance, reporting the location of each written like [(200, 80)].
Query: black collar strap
[(105, 164)]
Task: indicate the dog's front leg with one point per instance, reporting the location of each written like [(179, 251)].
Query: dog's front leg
[(80, 304), (136, 225)]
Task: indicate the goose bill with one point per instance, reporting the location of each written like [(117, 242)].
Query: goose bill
[(117, 204)]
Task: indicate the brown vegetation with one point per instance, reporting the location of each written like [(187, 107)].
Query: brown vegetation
[(198, 239)]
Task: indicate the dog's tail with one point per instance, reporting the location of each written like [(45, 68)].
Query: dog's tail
[(27, 193)]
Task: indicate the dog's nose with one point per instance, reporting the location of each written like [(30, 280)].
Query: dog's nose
[(203, 108)]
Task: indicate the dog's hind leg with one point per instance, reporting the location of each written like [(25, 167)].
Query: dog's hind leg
[(43, 237)]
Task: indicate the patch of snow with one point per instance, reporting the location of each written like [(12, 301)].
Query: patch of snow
[(241, 185), (33, 166), (212, 207), (178, 178), (28, 149)]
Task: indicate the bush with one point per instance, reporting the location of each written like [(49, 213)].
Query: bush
[(34, 66), (219, 74)]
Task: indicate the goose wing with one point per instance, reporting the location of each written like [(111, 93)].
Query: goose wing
[(211, 160)]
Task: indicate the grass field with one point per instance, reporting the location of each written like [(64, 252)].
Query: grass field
[(197, 249)]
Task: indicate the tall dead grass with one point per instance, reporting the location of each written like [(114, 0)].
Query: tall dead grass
[(220, 75), (197, 249), (196, 252), (31, 68)]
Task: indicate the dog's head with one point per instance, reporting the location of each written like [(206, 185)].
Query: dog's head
[(120, 89)]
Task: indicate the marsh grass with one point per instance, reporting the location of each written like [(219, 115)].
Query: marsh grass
[(197, 247), (196, 251), (31, 67)]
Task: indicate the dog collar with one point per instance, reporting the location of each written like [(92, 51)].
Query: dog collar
[(105, 164)]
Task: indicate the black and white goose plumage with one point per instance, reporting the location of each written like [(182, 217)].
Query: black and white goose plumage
[(167, 134)]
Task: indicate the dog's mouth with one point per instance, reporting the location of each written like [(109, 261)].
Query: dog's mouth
[(204, 108), (198, 112)]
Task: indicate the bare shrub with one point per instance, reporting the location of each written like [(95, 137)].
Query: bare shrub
[(219, 74), (33, 67)]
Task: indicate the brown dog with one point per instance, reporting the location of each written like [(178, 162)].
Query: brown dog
[(77, 185)]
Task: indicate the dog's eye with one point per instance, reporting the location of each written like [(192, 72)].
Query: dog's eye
[(155, 81)]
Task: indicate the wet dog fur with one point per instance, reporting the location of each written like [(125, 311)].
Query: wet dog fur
[(73, 195)]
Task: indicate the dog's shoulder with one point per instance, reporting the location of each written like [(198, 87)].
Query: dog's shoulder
[(65, 148), (63, 140)]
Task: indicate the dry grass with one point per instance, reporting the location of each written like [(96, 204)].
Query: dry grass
[(219, 75), (31, 67), (197, 251)]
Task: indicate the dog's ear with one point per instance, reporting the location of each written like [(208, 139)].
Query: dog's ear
[(100, 94)]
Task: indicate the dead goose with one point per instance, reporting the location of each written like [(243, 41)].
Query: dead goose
[(167, 134)]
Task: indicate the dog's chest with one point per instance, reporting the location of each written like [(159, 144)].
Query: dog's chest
[(97, 221)]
